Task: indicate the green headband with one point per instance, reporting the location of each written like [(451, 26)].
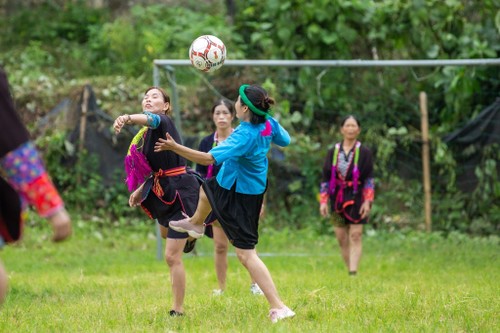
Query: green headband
[(247, 102)]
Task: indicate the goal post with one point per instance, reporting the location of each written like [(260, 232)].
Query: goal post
[(169, 65)]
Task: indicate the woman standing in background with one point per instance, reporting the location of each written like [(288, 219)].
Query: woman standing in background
[(347, 182)]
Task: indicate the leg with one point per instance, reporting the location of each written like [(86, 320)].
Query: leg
[(194, 225), (202, 210), (254, 287), (342, 235), (221, 244), (163, 231), (355, 246), (4, 285), (259, 272), (61, 225), (25, 172), (173, 257)]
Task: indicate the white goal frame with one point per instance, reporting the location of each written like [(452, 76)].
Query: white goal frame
[(170, 64)]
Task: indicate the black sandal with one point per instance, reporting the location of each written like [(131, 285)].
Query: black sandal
[(189, 245), (174, 313)]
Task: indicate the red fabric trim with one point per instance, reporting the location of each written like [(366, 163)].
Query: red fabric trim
[(148, 213), (168, 202), (171, 172), (323, 198), (42, 194), (341, 211), (157, 189), (368, 194)]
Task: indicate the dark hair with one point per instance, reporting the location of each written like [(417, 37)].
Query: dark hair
[(261, 100), (226, 102), (347, 117), (166, 98)]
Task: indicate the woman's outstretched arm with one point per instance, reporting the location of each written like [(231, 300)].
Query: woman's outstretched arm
[(188, 153)]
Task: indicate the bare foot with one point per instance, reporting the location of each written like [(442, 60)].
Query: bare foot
[(61, 225)]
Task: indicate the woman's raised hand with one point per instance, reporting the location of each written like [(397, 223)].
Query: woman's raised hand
[(119, 123)]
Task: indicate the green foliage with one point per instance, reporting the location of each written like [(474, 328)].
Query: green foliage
[(50, 23), (77, 173), (130, 43), (467, 212), (485, 215), (50, 49), (298, 29), (86, 41)]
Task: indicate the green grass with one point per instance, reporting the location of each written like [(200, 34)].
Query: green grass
[(111, 281)]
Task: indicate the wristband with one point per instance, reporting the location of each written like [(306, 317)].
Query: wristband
[(323, 198)]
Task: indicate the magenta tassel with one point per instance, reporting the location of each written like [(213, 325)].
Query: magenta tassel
[(268, 130), (340, 195), (355, 177), (137, 168), (333, 179), (210, 171)]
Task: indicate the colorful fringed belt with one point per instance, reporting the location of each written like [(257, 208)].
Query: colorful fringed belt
[(165, 173)]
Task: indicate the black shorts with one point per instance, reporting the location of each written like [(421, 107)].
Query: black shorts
[(237, 213), (180, 195), (165, 213)]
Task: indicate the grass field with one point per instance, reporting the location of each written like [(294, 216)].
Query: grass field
[(111, 281)]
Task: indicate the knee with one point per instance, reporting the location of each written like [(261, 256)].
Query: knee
[(242, 257), (356, 236), (220, 248), (342, 241), (172, 259)]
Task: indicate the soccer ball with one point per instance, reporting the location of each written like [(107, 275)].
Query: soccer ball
[(207, 53)]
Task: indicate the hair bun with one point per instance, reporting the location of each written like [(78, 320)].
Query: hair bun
[(268, 101)]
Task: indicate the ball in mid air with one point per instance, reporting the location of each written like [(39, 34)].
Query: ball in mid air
[(207, 53)]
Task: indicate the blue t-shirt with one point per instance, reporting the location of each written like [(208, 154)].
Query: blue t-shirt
[(244, 155)]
